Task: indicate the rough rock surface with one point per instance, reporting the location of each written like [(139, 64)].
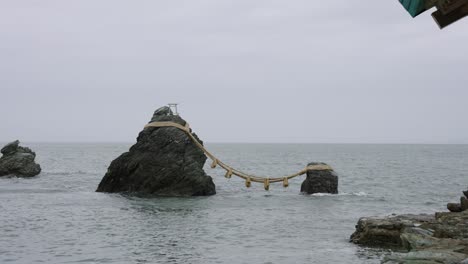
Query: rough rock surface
[(163, 162), (464, 203), (18, 161), (459, 207), (320, 181), (429, 239)]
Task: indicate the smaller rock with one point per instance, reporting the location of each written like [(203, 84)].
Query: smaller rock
[(454, 207), (464, 203), (465, 193), (320, 181), (18, 161)]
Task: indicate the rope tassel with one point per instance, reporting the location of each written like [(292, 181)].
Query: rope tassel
[(266, 184), (215, 162), (248, 183), (285, 182), (228, 174)]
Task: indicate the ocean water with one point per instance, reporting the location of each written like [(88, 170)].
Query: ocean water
[(58, 218)]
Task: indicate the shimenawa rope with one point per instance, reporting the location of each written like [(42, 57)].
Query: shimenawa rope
[(231, 171)]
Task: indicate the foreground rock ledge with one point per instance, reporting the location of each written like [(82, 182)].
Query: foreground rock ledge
[(163, 162), (18, 161), (429, 239)]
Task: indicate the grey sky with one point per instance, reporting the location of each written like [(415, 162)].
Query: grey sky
[(243, 71)]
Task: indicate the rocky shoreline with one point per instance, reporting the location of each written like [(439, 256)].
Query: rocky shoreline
[(428, 239)]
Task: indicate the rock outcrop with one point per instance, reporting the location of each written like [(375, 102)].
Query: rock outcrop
[(163, 162), (459, 207), (320, 181), (18, 161), (430, 239)]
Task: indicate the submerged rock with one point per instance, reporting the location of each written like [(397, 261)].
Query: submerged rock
[(18, 161), (320, 181), (438, 238), (164, 162)]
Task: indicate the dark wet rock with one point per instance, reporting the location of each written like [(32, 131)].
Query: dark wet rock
[(320, 181), (454, 207), (10, 147), (464, 203), (439, 238), (465, 193), (18, 161), (459, 207), (163, 162)]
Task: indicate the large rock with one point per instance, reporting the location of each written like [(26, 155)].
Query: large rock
[(18, 161), (320, 181), (163, 162)]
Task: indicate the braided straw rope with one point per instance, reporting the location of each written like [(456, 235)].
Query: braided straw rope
[(231, 171)]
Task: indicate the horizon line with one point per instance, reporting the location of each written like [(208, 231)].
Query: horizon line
[(220, 142)]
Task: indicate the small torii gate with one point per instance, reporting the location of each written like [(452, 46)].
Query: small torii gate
[(173, 107), (448, 11)]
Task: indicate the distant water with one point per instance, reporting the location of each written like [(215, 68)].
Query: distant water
[(58, 218)]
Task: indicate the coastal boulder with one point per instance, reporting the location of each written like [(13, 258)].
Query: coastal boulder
[(454, 207), (320, 180), (164, 162), (18, 161), (459, 207)]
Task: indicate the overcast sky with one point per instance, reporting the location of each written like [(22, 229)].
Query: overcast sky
[(344, 71)]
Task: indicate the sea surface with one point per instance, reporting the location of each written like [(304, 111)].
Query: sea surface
[(58, 218)]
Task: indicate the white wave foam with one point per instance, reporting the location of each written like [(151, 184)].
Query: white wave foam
[(341, 194)]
